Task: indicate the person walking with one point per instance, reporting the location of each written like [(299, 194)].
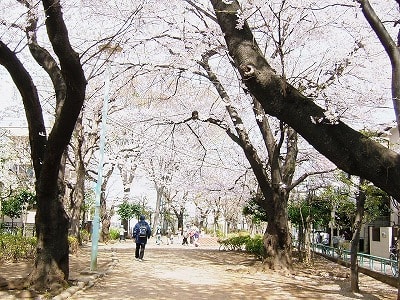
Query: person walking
[(141, 232), (122, 233), (185, 237), (170, 236), (158, 235)]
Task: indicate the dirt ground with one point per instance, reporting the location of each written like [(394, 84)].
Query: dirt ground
[(187, 272)]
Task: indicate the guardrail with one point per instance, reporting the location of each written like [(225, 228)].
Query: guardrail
[(14, 227), (374, 263)]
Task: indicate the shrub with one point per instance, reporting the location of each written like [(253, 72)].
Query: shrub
[(219, 233), (16, 247), (114, 233), (73, 244), (239, 241), (85, 235), (243, 241), (255, 246), (235, 242)]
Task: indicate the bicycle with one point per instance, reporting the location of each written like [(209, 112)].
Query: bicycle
[(394, 260)]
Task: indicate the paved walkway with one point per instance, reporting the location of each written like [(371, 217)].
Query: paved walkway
[(188, 272), (167, 272)]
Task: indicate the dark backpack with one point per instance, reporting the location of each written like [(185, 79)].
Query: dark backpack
[(142, 230)]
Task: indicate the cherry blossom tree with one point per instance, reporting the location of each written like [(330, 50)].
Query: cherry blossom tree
[(51, 263), (156, 74), (328, 135), (392, 49)]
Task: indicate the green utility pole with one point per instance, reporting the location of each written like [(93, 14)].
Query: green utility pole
[(96, 218), (110, 50)]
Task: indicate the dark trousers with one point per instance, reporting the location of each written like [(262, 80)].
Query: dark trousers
[(139, 252)]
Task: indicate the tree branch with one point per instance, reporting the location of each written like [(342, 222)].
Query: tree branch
[(350, 150)]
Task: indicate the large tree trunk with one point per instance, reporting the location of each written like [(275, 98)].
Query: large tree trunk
[(277, 240), (301, 240), (157, 219), (79, 190), (52, 258), (51, 263), (78, 199), (105, 217), (105, 214), (307, 242), (203, 218), (349, 149), (216, 222), (360, 203), (180, 221)]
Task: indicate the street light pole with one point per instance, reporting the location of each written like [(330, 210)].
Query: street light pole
[(96, 218), (110, 50)]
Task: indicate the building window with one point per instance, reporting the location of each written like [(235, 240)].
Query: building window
[(376, 234)]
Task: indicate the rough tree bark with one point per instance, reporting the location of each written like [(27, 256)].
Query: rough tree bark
[(360, 204), (349, 149), (52, 260), (160, 187), (179, 211), (105, 214), (79, 189), (157, 212), (275, 189)]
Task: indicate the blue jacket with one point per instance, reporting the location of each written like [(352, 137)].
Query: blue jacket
[(141, 240)]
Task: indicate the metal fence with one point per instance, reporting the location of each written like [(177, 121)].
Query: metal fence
[(375, 263), (14, 227)]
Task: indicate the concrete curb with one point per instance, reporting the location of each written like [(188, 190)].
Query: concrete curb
[(88, 279)]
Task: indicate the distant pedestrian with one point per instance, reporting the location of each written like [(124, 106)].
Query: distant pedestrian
[(141, 232), (194, 236), (325, 242), (122, 233), (179, 236), (170, 236), (185, 237), (158, 235), (319, 238)]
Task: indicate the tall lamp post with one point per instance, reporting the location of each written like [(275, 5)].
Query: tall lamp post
[(110, 50)]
